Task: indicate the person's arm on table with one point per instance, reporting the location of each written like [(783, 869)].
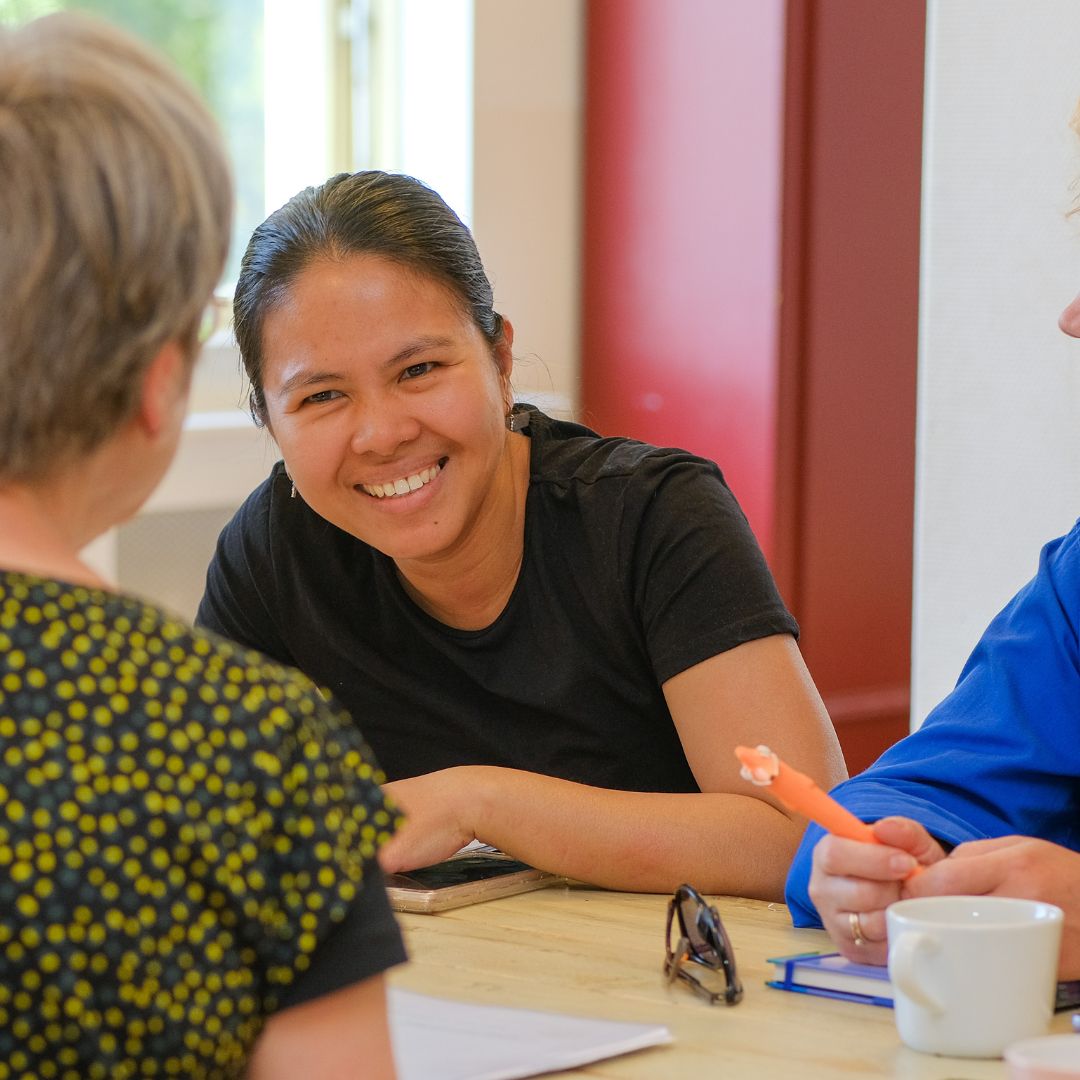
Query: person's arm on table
[(723, 840), (340, 1036)]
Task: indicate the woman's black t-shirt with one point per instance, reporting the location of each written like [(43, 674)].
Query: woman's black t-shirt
[(638, 564)]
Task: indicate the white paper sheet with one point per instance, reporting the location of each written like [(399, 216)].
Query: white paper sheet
[(436, 1039)]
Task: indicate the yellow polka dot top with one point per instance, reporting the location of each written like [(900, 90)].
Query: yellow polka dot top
[(182, 822)]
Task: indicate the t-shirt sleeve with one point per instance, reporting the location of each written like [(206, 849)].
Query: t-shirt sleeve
[(1000, 755), (365, 943), (701, 584), (322, 818), (239, 599)]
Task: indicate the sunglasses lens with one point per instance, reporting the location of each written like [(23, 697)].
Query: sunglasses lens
[(703, 942), (699, 926)]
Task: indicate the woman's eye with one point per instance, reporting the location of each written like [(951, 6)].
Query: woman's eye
[(322, 396), (414, 371)]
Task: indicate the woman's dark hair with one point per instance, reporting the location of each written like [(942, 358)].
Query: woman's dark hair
[(365, 213)]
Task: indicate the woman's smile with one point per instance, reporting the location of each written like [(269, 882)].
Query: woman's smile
[(413, 490), (404, 485)]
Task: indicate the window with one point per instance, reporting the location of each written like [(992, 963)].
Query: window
[(302, 89), (306, 88)]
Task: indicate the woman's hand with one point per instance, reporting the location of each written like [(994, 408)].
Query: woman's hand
[(849, 877), (439, 818), (1013, 866), (727, 838)]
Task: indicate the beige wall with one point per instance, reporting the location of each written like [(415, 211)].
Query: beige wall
[(527, 182)]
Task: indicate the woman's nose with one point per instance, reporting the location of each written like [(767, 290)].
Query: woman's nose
[(381, 429)]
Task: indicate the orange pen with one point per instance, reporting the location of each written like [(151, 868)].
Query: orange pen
[(799, 793)]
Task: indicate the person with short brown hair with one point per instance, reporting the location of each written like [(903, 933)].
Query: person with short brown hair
[(188, 830)]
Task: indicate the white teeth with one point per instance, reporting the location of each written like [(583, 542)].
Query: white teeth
[(404, 485)]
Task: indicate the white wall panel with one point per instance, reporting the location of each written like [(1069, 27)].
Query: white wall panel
[(998, 469)]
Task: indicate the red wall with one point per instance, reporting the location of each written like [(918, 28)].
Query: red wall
[(849, 347), (751, 221), (682, 243)]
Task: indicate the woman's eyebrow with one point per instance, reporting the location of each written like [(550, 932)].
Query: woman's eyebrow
[(419, 345), (308, 376)]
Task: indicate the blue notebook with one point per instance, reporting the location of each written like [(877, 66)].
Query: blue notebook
[(830, 975)]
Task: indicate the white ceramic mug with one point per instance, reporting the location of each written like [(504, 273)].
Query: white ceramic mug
[(972, 974)]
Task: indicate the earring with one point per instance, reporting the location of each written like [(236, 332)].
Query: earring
[(510, 421), (292, 493)]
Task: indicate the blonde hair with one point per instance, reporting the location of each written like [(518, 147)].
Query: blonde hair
[(115, 216)]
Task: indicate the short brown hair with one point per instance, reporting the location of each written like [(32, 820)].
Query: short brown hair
[(115, 216)]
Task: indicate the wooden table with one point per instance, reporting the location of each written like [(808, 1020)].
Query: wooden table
[(594, 953)]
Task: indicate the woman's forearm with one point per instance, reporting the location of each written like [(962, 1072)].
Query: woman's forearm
[(636, 841)]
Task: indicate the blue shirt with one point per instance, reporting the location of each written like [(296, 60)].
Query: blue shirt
[(1001, 754)]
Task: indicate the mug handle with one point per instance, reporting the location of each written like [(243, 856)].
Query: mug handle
[(903, 967)]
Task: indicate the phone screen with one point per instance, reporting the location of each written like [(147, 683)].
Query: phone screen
[(457, 871)]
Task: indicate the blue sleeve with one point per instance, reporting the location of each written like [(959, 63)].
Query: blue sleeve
[(1001, 754)]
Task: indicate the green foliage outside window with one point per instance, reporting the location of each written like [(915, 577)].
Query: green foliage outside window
[(217, 44)]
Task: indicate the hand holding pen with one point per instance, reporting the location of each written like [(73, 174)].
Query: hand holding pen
[(855, 876), (799, 793)]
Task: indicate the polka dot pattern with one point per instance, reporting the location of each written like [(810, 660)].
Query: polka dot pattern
[(182, 822)]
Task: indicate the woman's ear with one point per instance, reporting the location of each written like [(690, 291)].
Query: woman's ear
[(508, 338), (504, 361), (164, 389)]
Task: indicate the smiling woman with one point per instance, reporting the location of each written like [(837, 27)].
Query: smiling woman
[(536, 626)]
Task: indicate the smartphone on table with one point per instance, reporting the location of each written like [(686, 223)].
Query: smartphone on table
[(471, 876)]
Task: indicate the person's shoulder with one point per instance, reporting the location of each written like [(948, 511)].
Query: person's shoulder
[(184, 640), (244, 681), (570, 451), (264, 501), (124, 627), (1067, 544), (1060, 561)]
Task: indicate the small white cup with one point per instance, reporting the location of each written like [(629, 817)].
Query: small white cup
[(972, 974)]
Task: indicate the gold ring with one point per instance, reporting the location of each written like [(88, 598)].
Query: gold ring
[(856, 928)]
